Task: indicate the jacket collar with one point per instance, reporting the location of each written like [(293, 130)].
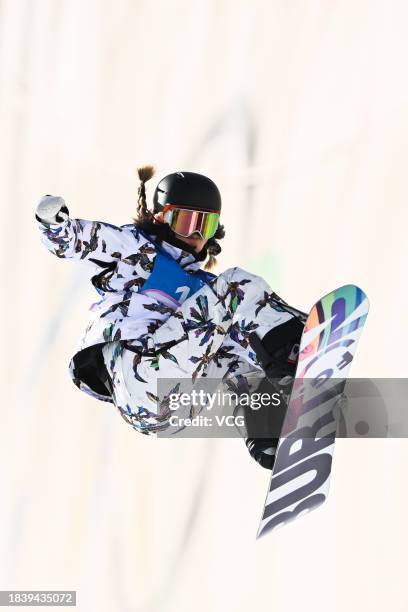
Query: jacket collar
[(185, 259)]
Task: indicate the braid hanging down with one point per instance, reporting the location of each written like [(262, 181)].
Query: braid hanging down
[(144, 173)]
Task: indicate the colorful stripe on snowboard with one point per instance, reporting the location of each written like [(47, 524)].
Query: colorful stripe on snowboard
[(301, 474)]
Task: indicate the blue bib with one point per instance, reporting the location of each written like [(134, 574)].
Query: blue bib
[(169, 283)]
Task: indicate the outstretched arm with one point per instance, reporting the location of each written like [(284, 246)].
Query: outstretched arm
[(92, 241)]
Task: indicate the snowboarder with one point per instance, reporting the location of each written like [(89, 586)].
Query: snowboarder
[(160, 313)]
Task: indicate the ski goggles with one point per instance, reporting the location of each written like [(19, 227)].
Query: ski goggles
[(186, 222)]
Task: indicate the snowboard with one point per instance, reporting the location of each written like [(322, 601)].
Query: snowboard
[(300, 476)]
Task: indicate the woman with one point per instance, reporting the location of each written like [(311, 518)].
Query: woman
[(161, 315)]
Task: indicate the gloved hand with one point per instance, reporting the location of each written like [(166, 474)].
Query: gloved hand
[(52, 210)]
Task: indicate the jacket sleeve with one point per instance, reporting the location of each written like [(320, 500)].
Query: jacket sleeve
[(95, 242)]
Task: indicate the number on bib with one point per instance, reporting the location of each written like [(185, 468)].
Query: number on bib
[(184, 292)]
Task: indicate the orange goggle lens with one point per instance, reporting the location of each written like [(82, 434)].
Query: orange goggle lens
[(186, 222)]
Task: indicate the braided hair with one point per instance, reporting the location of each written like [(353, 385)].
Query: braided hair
[(144, 220)]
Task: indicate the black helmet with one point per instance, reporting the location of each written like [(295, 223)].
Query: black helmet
[(189, 189)]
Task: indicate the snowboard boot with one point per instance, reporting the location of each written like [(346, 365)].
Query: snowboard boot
[(277, 353), (263, 450)]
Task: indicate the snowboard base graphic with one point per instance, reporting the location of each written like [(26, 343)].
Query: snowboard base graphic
[(300, 477)]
